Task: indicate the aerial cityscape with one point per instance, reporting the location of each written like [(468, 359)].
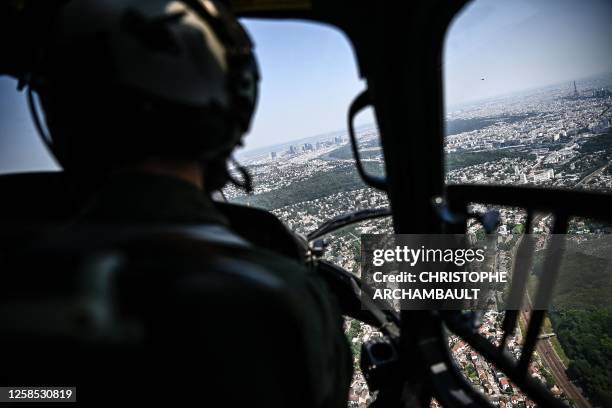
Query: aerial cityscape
[(557, 136)]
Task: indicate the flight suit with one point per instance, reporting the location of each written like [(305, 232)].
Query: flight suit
[(145, 199)]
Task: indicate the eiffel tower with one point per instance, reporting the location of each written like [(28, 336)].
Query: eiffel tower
[(576, 95)]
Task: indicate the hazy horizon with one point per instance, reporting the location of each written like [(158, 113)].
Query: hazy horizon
[(309, 75), (449, 108), (524, 44)]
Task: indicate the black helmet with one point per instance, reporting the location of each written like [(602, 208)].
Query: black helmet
[(121, 80)]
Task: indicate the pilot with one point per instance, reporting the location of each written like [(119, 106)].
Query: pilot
[(144, 102)]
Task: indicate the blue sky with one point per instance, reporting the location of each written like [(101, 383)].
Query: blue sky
[(522, 44), (310, 77)]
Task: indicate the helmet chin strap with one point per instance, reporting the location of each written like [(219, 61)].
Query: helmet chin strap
[(38, 124)]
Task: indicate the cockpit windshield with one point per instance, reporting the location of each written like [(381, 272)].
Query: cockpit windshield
[(528, 89), (298, 152)]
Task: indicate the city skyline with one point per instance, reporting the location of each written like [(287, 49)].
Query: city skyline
[(310, 75), (582, 87), (40, 155)]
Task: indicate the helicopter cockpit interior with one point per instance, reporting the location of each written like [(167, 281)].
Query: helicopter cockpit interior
[(512, 166)]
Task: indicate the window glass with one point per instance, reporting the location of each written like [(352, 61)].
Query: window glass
[(528, 91), (299, 154), (20, 147), (298, 151)]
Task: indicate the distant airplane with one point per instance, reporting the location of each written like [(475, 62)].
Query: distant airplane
[(482, 79)]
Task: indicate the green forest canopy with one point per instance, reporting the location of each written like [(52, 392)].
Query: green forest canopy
[(581, 315)]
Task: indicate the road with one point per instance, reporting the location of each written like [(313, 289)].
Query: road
[(593, 174)]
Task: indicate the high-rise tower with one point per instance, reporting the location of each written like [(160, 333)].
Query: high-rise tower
[(575, 91)]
